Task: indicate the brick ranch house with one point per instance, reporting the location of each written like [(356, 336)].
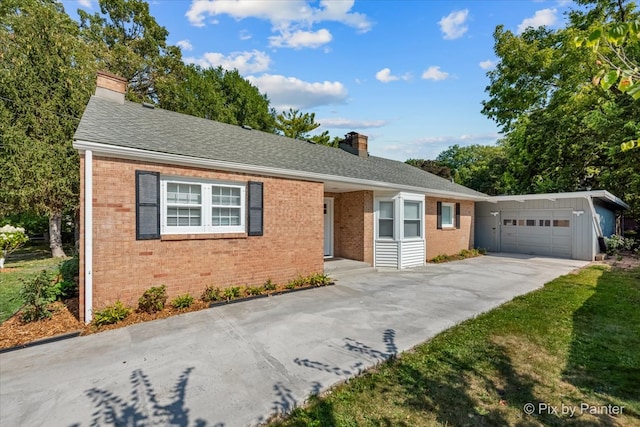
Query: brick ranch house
[(189, 202)]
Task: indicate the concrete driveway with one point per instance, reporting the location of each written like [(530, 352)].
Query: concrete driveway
[(237, 365)]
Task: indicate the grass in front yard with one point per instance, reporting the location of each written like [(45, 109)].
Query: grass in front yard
[(576, 341), (22, 264)]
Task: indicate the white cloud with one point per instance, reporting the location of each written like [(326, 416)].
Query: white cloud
[(245, 62), (453, 25), (185, 45), (245, 35), (434, 73), (290, 92), (487, 65), (544, 17), (299, 39), (85, 3), (430, 147), (282, 15), (385, 76), (342, 123)]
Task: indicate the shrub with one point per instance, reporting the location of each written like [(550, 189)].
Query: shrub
[(319, 279), (254, 290), (153, 299), (482, 251), (269, 285), (290, 285), (182, 301), (70, 269), (68, 289), (439, 258), (617, 243), (211, 293), (111, 314), (232, 292), (37, 293), (11, 238)]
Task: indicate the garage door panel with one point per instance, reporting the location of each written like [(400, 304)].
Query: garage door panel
[(537, 232)]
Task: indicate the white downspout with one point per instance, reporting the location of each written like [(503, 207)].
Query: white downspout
[(594, 215), (88, 236), (596, 225)]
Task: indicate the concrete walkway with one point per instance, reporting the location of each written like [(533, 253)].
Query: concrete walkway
[(237, 365)]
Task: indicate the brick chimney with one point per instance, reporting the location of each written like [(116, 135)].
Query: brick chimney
[(111, 87), (355, 143)]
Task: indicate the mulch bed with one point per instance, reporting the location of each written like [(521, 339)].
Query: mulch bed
[(14, 332)]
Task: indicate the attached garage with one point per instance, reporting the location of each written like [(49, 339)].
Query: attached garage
[(562, 225)]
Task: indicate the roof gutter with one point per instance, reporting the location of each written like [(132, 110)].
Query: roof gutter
[(176, 159)]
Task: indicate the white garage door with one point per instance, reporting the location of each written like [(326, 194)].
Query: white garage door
[(536, 232)]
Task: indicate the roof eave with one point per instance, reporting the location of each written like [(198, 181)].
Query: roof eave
[(176, 159), (594, 194)]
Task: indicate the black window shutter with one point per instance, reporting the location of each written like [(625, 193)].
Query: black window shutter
[(439, 212), (147, 205), (255, 214), (457, 215)]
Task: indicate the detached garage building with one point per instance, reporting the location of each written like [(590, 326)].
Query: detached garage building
[(563, 225)]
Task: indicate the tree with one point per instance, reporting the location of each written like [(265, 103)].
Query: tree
[(561, 132), (46, 77), (129, 42), (481, 167), (218, 94), (432, 166), (295, 124)]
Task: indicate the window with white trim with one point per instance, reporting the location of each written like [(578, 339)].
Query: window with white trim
[(385, 220), (448, 215), (412, 219), (191, 206)]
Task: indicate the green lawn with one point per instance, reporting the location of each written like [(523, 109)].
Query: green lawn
[(22, 264), (576, 341)]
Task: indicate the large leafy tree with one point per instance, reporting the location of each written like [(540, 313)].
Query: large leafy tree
[(481, 167), (129, 42), (432, 166), (46, 76), (562, 133), (218, 94)]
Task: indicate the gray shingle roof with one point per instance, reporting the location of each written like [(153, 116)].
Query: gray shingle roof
[(135, 126)]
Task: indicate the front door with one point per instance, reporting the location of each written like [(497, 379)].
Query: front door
[(328, 227)]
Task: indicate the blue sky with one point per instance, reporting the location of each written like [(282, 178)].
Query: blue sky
[(408, 74)]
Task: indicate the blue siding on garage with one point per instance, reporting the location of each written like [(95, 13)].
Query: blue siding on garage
[(607, 219)]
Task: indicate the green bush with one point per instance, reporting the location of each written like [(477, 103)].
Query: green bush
[(269, 285), (616, 243), (70, 269), (232, 292), (319, 279), (211, 293), (68, 289), (111, 314), (153, 299), (182, 301), (37, 293), (254, 290), (290, 285)]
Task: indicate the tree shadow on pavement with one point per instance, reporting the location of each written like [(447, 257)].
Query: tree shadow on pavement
[(142, 408)]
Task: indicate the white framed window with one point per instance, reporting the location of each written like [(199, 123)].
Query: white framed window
[(412, 219), (385, 219), (448, 215), (195, 206)]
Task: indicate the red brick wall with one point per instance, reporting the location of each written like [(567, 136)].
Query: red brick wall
[(452, 240), (124, 267), (353, 225)]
